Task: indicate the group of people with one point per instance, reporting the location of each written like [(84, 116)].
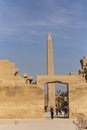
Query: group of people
[(59, 111)]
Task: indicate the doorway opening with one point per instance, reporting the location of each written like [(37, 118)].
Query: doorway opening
[(61, 100)]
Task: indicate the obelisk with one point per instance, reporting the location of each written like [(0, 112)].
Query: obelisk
[(50, 72)]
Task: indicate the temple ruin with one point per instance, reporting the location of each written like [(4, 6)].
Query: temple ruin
[(18, 97), (22, 98)]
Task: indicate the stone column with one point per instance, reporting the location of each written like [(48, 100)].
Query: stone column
[(50, 72)]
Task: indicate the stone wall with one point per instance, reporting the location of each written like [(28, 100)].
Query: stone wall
[(77, 90), (21, 100), (17, 98), (77, 98)]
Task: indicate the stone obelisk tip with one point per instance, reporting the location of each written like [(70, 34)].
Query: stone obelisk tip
[(49, 36)]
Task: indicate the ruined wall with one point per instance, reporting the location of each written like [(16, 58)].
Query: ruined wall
[(18, 99), (77, 100), (77, 89), (77, 95), (21, 100)]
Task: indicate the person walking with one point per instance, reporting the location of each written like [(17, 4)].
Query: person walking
[(52, 112)]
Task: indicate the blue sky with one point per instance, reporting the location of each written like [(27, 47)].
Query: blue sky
[(24, 26)]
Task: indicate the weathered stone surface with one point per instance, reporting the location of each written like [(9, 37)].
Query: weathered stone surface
[(20, 99), (21, 102), (83, 70), (17, 98), (77, 89), (50, 71)]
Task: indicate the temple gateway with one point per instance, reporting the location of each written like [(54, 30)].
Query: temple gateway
[(20, 97)]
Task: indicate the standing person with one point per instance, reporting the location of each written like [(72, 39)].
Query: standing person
[(52, 112), (65, 111), (59, 110)]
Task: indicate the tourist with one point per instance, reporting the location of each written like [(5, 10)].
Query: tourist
[(59, 110), (52, 112), (65, 111)]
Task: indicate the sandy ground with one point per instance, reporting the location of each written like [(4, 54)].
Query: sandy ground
[(37, 124)]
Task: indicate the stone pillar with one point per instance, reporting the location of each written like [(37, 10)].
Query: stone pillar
[(50, 72)]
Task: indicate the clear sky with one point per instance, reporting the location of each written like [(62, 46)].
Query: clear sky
[(24, 26)]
